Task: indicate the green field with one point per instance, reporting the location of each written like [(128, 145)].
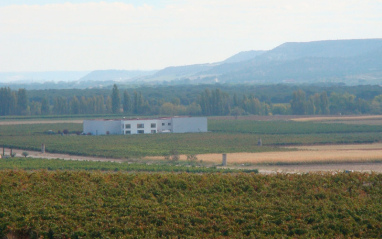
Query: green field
[(158, 166), (64, 204), (226, 136)]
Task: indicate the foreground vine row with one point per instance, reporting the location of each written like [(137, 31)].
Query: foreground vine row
[(64, 204)]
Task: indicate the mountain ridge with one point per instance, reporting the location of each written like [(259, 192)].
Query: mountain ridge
[(349, 61)]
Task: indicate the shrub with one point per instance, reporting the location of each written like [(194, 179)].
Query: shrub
[(192, 158)]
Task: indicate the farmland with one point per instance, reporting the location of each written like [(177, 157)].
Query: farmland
[(75, 165), (140, 197), (226, 136), (99, 205)]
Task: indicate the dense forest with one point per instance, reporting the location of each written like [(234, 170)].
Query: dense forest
[(219, 99)]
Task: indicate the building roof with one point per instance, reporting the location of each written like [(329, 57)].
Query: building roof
[(126, 119)]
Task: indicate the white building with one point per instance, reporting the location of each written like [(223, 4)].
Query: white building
[(146, 126)]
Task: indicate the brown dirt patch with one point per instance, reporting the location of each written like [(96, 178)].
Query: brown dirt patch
[(305, 154), (339, 118), (259, 117)]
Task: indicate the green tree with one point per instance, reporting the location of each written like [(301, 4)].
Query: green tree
[(194, 109), (140, 105), (205, 102), (167, 109), (60, 106), (35, 108), (45, 108), (310, 106), (22, 102), (109, 105), (298, 103), (342, 103), (376, 105), (116, 100), (13, 107), (100, 105), (324, 103), (83, 106), (74, 105), (5, 98), (235, 100), (126, 102)]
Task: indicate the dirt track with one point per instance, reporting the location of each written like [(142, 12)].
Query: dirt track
[(312, 166), (37, 154)]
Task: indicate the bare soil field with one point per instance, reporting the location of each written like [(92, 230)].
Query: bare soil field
[(260, 117), (354, 119), (305, 154), (18, 122), (357, 157), (363, 158)]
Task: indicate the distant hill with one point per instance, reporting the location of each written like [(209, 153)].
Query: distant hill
[(329, 48), (181, 71), (348, 61), (40, 77), (243, 56), (115, 75), (351, 62)]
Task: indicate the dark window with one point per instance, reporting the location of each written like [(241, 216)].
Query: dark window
[(169, 124), (141, 131), (153, 125), (127, 132), (163, 124), (140, 126), (127, 126), (153, 131)]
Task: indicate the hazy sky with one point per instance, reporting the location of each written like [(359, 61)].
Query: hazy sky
[(42, 35)]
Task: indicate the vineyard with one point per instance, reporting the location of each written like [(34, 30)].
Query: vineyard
[(66, 204), (226, 136), (59, 164), (287, 127)]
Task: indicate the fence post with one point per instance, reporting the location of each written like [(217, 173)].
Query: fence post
[(43, 148), (224, 160)]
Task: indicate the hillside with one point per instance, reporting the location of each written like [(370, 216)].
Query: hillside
[(114, 75), (352, 62), (347, 61), (243, 56)]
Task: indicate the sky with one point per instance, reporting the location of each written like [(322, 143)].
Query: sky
[(85, 35)]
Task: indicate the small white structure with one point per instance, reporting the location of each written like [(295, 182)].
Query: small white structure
[(146, 126)]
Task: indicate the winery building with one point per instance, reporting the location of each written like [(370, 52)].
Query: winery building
[(145, 126)]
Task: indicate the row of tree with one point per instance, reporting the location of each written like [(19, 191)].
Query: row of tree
[(208, 102), (13, 103)]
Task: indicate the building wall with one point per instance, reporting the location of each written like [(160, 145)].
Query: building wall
[(164, 125), (149, 126), (146, 126), (101, 127), (189, 124)]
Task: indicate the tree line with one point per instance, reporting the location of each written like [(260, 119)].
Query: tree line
[(207, 102)]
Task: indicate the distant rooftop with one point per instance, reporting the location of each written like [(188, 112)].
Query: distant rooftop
[(125, 119)]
